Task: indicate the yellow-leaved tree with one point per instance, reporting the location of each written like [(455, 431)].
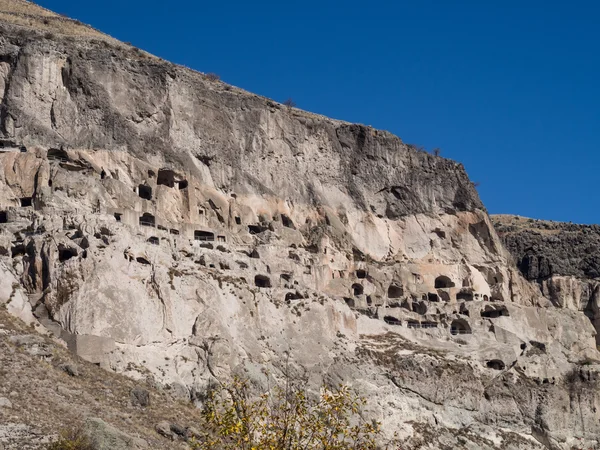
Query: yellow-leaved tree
[(285, 419)]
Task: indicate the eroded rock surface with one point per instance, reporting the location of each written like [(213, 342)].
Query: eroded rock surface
[(157, 220)]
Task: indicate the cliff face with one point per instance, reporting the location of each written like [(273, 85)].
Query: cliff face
[(157, 220)]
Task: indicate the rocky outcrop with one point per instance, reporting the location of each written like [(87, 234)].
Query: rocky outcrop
[(561, 257), (158, 220), (544, 248)]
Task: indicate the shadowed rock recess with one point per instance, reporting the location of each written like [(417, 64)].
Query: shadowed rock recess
[(163, 223)]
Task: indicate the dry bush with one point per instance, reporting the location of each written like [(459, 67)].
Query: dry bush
[(212, 77), (290, 103), (71, 439)]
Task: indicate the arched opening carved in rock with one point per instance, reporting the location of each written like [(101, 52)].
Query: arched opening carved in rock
[(358, 289), (360, 273), (3, 217), (443, 282), (460, 326), (153, 240)]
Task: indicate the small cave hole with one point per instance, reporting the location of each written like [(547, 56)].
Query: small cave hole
[(395, 291), (433, 297), (59, 155), (262, 281), (293, 296), (147, 220), (440, 233), (392, 320), (358, 289), (495, 364), (287, 222), (491, 313), (286, 277), (444, 295), (26, 202), (200, 235), (145, 192), (17, 250), (142, 260), (460, 326), (65, 253), (256, 229), (361, 273), (3, 217), (465, 295), (154, 240), (166, 177), (238, 220)]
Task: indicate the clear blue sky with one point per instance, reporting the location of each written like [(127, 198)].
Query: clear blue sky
[(509, 88)]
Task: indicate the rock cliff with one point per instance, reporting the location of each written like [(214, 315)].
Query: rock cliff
[(562, 258), (155, 219)]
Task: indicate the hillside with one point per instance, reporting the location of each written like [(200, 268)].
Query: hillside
[(166, 226), (46, 390)]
